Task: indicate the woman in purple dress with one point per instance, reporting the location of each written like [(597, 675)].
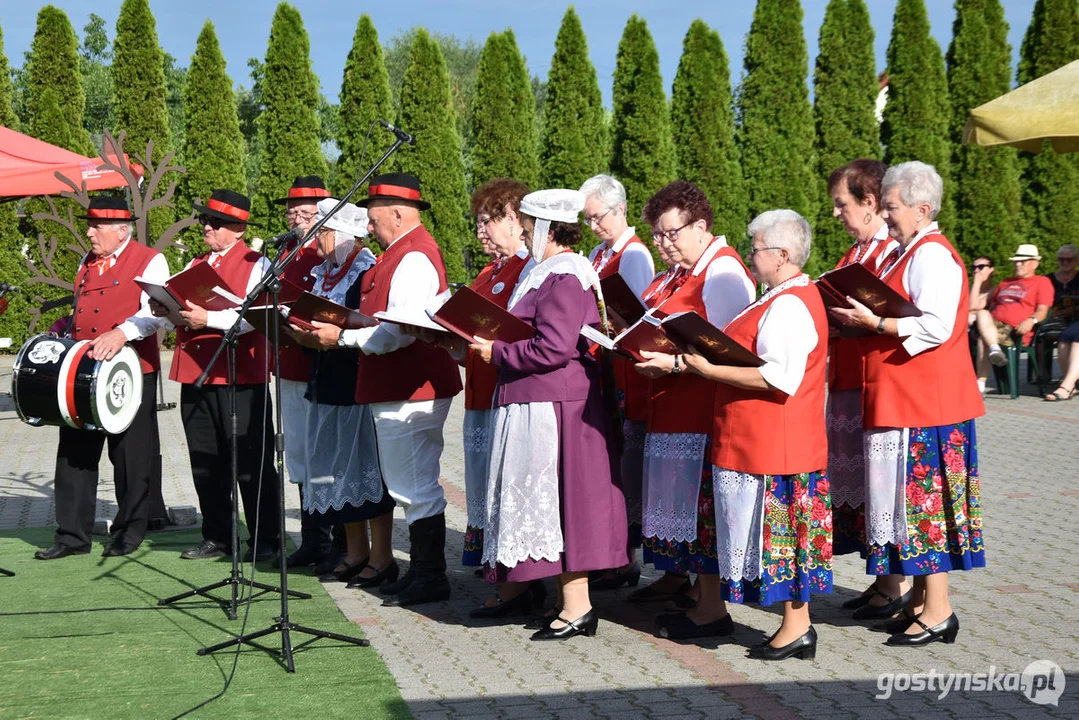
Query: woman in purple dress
[(554, 505)]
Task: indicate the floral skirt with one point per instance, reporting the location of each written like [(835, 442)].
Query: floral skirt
[(696, 556), (943, 506), (794, 558), (846, 471)]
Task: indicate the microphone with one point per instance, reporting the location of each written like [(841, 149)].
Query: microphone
[(401, 134), (4, 288), (285, 238)]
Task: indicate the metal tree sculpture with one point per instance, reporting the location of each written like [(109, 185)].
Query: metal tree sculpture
[(142, 202)]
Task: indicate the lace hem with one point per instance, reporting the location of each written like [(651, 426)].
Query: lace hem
[(739, 503), (885, 501)]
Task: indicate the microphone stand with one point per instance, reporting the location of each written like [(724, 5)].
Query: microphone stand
[(271, 282)]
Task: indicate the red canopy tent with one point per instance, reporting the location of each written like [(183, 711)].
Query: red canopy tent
[(29, 166)]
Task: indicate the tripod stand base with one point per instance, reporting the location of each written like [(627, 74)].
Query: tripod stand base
[(234, 583), (6, 572), (284, 627)]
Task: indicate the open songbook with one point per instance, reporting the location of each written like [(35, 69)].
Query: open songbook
[(199, 285), (467, 314), (624, 307), (858, 282), (676, 333)]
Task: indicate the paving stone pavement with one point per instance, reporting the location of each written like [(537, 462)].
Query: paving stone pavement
[(1022, 608)]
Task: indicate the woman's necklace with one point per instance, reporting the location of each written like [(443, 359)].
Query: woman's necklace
[(334, 276)]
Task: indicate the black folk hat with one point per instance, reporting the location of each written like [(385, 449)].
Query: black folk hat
[(108, 208), (226, 205), (396, 187), (308, 187)]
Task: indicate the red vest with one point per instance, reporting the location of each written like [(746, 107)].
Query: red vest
[(684, 403), (295, 363), (845, 354), (935, 387), (418, 371), (633, 385), (767, 432), (481, 377), (106, 301), (194, 348)]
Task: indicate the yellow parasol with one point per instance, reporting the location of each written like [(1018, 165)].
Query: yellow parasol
[(1043, 109)]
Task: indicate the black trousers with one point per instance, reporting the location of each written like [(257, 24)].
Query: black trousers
[(207, 425), (135, 455)]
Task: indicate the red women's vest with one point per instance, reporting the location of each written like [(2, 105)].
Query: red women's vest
[(633, 385), (295, 363), (418, 371), (496, 286), (845, 354), (103, 302), (194, 348), (683, 403), (767, 432), (935, 387)]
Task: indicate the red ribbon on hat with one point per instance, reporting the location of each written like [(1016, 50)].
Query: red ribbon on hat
[(303, 192), (394, 191), (110, 214), (224, 207)]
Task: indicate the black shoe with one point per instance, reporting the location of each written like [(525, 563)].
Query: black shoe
[(859, 601), (119, 547), (399, 585), (58, 550), (267, 550), (205, 550), (305, 556), (804, 647), (585, 625), (420, 592), (882, 612), (346, 573), (650, 594), (945, 632), (520, 604), (681, 627), (631, 576), (478, 572), (329, 563), (900, 624), (538, 622), (387, 574)]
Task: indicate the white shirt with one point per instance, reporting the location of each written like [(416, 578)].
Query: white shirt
[(934, 281), (881, 236), (727, 287), (414, 285), (224, 319), (143, 323), (636, 266)]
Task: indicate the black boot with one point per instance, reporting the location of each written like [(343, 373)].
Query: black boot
[(314, 543), (428, 551)]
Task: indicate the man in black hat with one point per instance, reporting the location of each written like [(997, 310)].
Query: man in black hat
[(408, 384), (110, 310), (206, 411)]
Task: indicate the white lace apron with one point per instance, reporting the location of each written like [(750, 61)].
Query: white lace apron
[(523, 511), (886, 491), (673, 463), (739, 501), (477, 445)]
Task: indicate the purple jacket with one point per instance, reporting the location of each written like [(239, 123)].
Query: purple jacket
[(554, 364)]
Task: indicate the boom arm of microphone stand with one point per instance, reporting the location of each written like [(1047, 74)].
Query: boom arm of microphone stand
[(277, 267)]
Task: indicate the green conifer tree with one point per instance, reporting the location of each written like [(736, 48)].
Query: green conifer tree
[(289, 125), (986, 180), (12, 263), (427, 113), (213, 144), (504, 115), (845, 94), (57, 100), (1050, 180), (917, 115), (365, 98), (574, 134), (702, 125), (776, 134)]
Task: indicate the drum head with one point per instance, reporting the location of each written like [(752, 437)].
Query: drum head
[(117, 391)]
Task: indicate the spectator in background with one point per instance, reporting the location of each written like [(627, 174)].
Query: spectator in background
[(1065, 285)]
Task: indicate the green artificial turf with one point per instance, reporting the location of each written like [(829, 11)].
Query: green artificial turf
[(83, 637)]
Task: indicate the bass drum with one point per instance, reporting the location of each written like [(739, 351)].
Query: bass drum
[(56, 382)]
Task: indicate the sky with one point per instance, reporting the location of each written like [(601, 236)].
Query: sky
[(243, 27)]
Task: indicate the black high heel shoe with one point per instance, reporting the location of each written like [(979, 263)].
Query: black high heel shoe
[(861, 600), (520, 604), (387, 574), (900, 624), (346, 573), (631, 576), (882, 612), (804, 647), (584, 625), (538, 622), (945, 632)]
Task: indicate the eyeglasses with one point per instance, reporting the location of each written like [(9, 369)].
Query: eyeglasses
[(981, 266), (482, 222), (753, 251), (299, 215), (670, 235), (210, 220), (597, 219)]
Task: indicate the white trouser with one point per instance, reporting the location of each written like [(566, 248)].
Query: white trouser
[(409, 448), (294, 428)]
